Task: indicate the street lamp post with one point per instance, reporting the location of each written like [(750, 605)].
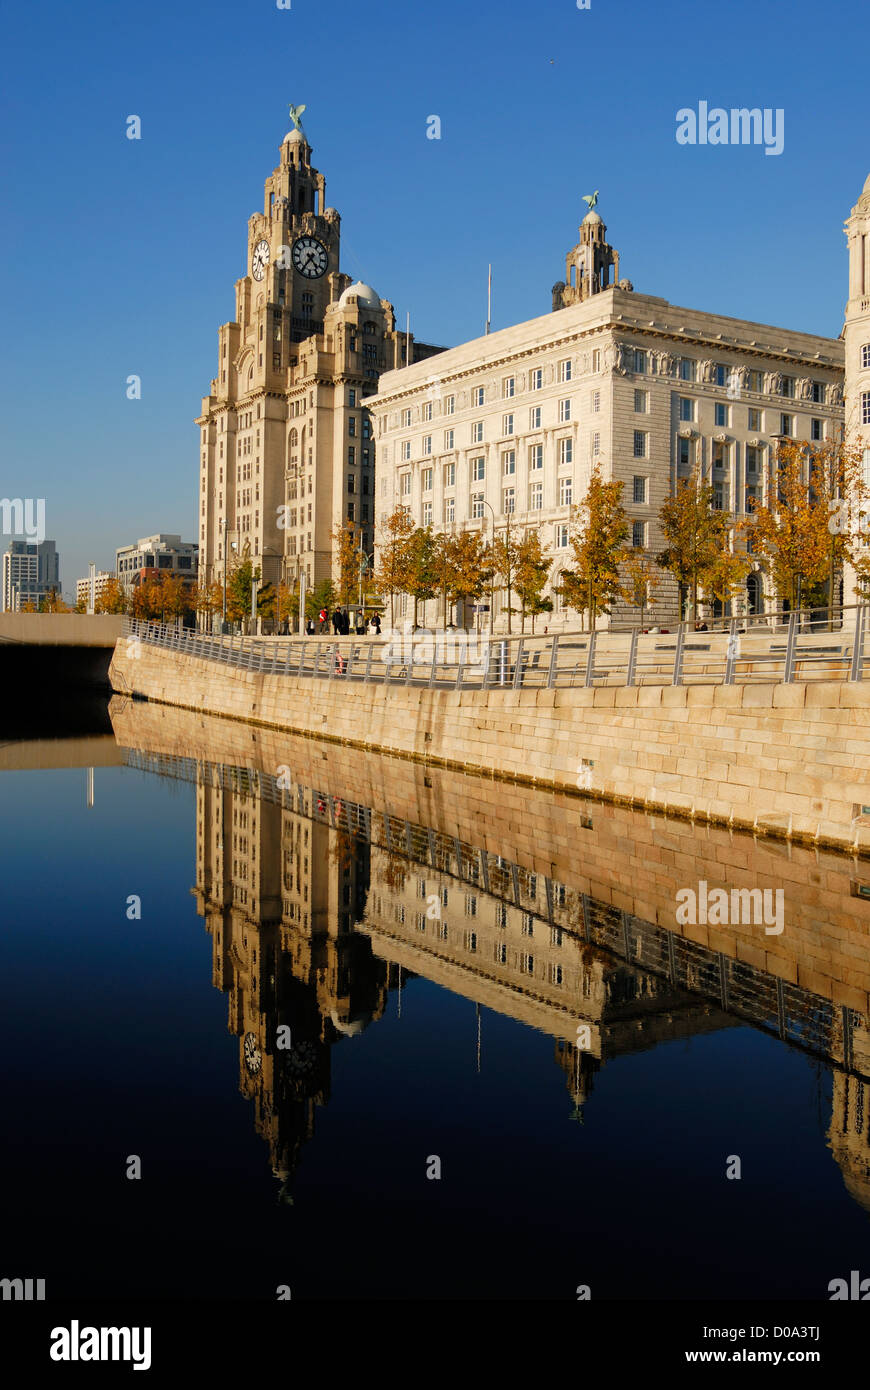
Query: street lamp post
[(492, 571)]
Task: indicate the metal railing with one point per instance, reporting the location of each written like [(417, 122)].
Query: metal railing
[(769, 648)]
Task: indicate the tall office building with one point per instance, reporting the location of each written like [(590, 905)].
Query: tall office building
[(30, 571)]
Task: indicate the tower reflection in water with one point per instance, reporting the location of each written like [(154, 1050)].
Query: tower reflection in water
[(318, 908)]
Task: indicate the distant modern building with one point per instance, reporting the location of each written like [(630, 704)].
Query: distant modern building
[(154, 556), (30, 571), (83, 586)]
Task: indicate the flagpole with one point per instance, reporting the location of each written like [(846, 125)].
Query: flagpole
[(489, 300)]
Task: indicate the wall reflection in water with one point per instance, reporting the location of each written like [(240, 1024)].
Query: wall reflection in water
[(319, 908)]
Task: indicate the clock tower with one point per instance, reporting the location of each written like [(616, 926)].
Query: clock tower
[(286, 446)]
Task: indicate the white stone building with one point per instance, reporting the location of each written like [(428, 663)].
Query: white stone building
[(511, 424)]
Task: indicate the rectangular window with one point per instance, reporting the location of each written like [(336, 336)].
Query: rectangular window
[(756, 380), (535, 418), (476, 506), (817, 388), (596, 445), (718, 497), (477, 432), (536, 457), (427, 513), (427, 410), (596, 402), (815, 429), (426, 479), (684, 454), (536, 379), (448, 439), (351, 425), (351, 396), (449, 509), (508, 499), (596, 359), (477, 396), (507, 424), (350, 511), (641, 399), (406, 449), (351, 483), (478, 470), (785, 425), (639, 361), (351, 455), (639, 444), (405, 485), (566, 489), (753, 461), (564, 411), (565, 369), (865, 407), (427, 443), (721, 414), (566, 450), (562, 534), (449, 405), (687, 408), (449, 474), (754, 419), (536, 497), (788, 387), (639, 489), (509, 462), (507, 386), (638, 534), (406, 418), (686, 370), (720, 374)]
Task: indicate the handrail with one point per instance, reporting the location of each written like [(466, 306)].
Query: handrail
[(737, 653)]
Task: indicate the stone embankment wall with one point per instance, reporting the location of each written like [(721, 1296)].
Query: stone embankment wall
[(788, 759)]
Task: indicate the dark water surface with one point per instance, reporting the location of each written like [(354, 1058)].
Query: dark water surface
[(306, 1165)]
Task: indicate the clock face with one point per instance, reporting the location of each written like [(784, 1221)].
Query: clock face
[(310, 257), (253, 1056), (260, 259)]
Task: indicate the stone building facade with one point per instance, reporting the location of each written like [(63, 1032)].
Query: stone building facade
[(856, 341), (286, 454), (509, 426)]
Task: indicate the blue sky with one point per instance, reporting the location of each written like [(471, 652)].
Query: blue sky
[(120, 256)]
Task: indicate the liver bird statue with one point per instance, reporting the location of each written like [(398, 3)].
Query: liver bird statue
[(295, 116), (590, 198)]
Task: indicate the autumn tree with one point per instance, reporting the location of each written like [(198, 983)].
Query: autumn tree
[(533, 566), (695, 535), (207, 599), (396, 557), (111, 598), (790, 530), (505, 560), (642, 578), (726, 577), (424, 576), (240, 579), (52, 602), (471, 568), (347, 555), (599, 532)]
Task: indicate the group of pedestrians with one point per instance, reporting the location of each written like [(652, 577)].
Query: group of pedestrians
[(340, 620)]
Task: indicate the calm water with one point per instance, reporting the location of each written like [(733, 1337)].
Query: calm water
[(306, 1165)]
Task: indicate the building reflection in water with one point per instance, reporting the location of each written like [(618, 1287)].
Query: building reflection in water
[(319, 907)]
